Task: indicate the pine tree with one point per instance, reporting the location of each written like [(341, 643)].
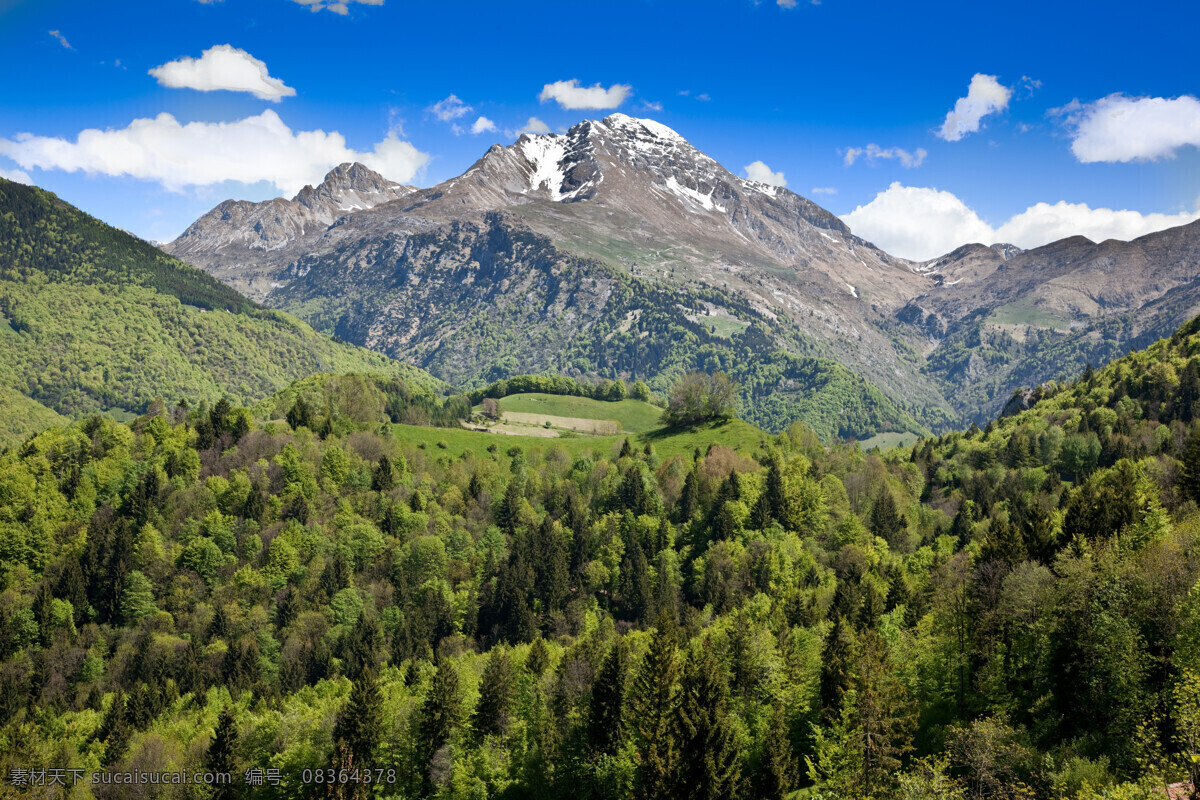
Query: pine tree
[(689, 498), (884, 714), (300, 415), (384, 477), (776, 493), (361, 721), (219, 416), (222, 754), (605, 727), (655, 697), (538, 659), (508, 512), (836, 667), (635, 597), (709, 761), (438, 717), (497, 687), (777, 775), (886, 522), (1189, 476)]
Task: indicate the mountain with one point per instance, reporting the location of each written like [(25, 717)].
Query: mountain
[(432, 278), (1005, 318), (93, 319), (237, 238)]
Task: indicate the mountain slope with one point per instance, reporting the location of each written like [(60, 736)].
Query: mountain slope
[(95, 319)]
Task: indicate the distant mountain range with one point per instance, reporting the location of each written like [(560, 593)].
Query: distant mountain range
[(580, 252)]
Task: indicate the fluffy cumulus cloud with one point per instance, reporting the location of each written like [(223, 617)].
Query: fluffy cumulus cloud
[(338, 6), (223, 68), (483, 125), (758, 171), (985, 96), (1120, 128), (449, 109), (570, 95), (16, 176), (533, 125), (177, 155), (874, 152), (922, 223)]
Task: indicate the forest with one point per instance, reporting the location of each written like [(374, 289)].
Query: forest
[(316, 590)]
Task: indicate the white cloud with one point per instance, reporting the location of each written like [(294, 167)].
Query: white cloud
[(824, 190), (223, 68), (984, 96), (449, 109), (260, 148), (533, 126), (1043, 223), (922, 223), (786, 3), (570, 95), (758, 171), (61, 39), (483, 125), (1120, 128), (651, 106), (338, 6), (872, 152), (16, 176)]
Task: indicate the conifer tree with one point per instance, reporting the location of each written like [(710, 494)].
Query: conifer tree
[(438, 718), (497, 687), (361, 722), (384, 477), (222, 754), (777, 775), (605, 727), (655, 697), (886, 522), (635, 597), (709, 760), (300, 415), (538, 659), (1189, 476)]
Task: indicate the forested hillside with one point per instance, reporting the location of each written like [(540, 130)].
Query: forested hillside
[(94, 319), (1002, 613)]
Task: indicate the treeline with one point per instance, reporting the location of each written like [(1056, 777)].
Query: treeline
[(1010, 612), (603, 389)]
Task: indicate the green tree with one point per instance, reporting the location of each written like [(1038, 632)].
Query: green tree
[(222, 755), (497, 688), (606, 722), (360, 723), (709, 759), (438, 719), (653, 709)]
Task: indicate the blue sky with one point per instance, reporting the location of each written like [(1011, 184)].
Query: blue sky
[(1090, 107)]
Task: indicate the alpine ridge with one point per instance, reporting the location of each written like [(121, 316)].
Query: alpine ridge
[(627, 199)]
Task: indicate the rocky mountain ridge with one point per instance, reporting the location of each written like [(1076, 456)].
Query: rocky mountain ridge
[(948, 339)]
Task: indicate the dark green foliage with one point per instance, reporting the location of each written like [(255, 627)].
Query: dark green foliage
[(496, 689), (709, 761), (655, 698), (223, 754), (606, 715), (359, 725)]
